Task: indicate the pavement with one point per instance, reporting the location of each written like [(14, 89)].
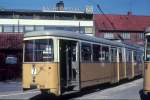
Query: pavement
[(130, 90)]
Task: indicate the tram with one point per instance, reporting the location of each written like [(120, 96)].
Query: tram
[(146, 85), (60, 62)]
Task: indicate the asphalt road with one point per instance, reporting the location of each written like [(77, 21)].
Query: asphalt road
[(128, 90), (125, 91)]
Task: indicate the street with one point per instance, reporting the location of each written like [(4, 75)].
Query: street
[(128, 90), (124, 91)]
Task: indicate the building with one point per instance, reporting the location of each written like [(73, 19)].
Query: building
[(14, 23), (129, 28)]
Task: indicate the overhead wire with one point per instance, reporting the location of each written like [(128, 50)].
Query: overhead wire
[(109, 20)]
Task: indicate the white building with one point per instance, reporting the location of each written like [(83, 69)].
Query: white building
[(21, 21)]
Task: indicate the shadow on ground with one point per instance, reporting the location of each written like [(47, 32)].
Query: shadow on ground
[(83, 92), (144, 96)]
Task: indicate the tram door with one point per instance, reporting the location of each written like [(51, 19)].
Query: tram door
[(69, 65)]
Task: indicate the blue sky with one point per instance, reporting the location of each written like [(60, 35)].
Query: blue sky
[(138, 7)]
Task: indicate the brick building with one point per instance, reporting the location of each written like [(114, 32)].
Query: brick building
[(130, 28), (10, 55)]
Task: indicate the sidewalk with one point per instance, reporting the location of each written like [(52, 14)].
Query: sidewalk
[(10, 86)]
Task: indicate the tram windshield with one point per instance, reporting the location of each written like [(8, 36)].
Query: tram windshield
[(147, 47), (40, 50)]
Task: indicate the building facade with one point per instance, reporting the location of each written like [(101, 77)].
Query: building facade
[(129, 28), (14, 23)]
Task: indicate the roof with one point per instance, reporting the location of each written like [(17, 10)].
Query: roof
[(73, 35), (121, 22), (28, 11)]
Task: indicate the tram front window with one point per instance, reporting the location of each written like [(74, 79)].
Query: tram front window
[(147, 48), (38, 50)]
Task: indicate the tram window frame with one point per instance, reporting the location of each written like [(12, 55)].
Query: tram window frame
[(33, 51), (147, 45), (86, 52)]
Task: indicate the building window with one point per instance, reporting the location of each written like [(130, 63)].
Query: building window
[(109, 35), (1, 29), (8, 28), (126, 35), (88, 30), (141, 36), (29, 28), (39, 28), (16, 28), (19, 29)]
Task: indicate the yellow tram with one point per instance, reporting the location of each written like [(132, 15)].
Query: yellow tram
[(146, 84), (60, 62)]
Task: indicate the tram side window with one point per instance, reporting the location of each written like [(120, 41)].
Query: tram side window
[(135, 56), (28, 56), (105, 54), (129, 56), (120, 55), (74, 52), (86, 51), (96, 52), (43, 50), (113, 54), (38, 50), (139, 57)]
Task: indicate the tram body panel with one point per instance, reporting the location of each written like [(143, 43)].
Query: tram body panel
[(129, 70), (63, 68), (43, 76), (27, 78), (146, 84), (121, 70), (146, 76), (138, 68), (95, 73), (114, 75)]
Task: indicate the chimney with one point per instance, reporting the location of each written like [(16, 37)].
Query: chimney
[(60, 6), (129, 13)]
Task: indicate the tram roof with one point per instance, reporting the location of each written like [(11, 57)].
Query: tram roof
[(73, 35)]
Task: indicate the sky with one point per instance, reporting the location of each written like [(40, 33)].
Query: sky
[(137, 7)]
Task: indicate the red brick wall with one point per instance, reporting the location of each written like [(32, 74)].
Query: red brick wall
[(11, 41)]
